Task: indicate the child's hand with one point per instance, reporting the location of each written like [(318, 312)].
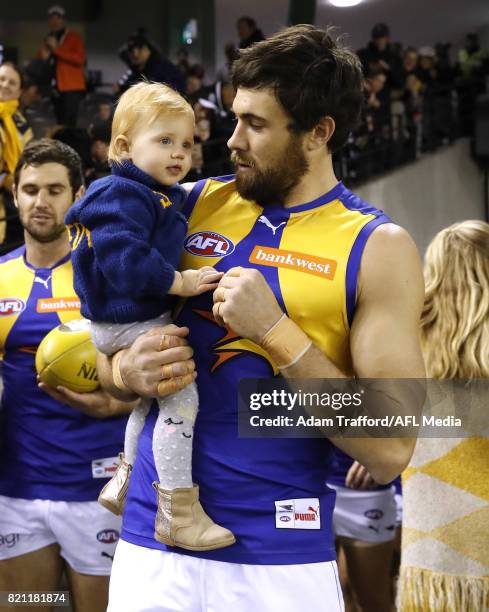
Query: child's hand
[(195, 282)]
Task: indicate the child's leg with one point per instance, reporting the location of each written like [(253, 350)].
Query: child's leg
[(134, 427), (180, 518), (172, 438)]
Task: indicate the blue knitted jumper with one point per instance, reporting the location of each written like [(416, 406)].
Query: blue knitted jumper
[(126, 235)]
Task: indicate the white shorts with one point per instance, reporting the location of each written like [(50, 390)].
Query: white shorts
[(367, 516), (398, 499), (86, 532), (150, 580)]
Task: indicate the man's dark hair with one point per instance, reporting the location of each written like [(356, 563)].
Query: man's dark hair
[(46, 151), (312, 76), (248, 20)]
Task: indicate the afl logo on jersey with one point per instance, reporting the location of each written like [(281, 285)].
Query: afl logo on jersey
[(208, 244), (11, 306)]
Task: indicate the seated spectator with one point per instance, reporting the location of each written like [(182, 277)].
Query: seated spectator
[(231, 53), (14, 129), (378, 98), (15, 132), (99, 151), (145, 62), (78, 139), (197, 171), (183, 60), (30, 94), (218, 99), (248, 32), (194, 83), (409, 62), (427, 72), (104, 112), (381, 55), (103, 119)]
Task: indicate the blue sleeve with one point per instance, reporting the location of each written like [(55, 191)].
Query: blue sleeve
[(121, 221)]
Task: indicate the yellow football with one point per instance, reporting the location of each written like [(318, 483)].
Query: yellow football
[(67, 357)]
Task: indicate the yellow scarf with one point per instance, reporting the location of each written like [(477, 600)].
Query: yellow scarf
[(12, 147)]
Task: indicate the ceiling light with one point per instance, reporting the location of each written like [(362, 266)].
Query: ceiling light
[(344, 3)]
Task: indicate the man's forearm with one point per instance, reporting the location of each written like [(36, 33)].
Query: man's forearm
[(106, 379), (385, 457)]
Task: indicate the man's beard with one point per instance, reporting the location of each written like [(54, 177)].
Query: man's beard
[(273, 185), (42, 234)]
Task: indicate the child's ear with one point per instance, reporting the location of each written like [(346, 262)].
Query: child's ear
[(122, 147)]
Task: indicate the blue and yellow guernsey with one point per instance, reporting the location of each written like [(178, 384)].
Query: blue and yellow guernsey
[(48, 450), (270, 492)]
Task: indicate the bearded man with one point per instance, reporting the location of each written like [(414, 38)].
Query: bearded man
[(317, 284)]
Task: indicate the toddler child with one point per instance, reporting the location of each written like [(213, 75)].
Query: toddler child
[(127, 235)]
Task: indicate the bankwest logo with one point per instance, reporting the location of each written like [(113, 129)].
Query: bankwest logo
[(58, 304), (281, 258)]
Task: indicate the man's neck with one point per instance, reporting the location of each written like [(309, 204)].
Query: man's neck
[(45, 254), (319, 179)]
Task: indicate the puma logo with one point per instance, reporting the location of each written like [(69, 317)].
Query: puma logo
[(274, 228), (38, 279), (104, 554)]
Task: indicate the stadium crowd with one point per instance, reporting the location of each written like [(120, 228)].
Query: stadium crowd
[(415, 100)]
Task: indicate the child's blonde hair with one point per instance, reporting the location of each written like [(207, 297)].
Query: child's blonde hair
[(146, 101)]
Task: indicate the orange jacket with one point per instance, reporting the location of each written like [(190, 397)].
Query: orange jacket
[(70, 62)]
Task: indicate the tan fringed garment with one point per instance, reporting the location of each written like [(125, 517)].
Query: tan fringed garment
[(445, 539)]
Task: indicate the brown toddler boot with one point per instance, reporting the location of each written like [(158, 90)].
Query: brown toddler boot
[(181, 521), (113, 495)]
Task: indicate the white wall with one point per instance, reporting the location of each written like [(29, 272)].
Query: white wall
[(432, 193)]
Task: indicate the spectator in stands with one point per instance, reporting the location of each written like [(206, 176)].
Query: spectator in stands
[(248, 32), (183, 60), (409, 62), (194, 83), (380, 54), (231, 53), (197, 171), (14, 135), (64, 51), (104, 112), (102, 123), (99, 151), (377, 98), (427, 72), (30, 93), (218, 100), (145, 62), (445, 555), (76, 138), (473, 61)]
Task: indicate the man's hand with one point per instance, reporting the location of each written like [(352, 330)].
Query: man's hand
[(244, 302), (358, 477), (98, 404), (51, 43), (159, 362)]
